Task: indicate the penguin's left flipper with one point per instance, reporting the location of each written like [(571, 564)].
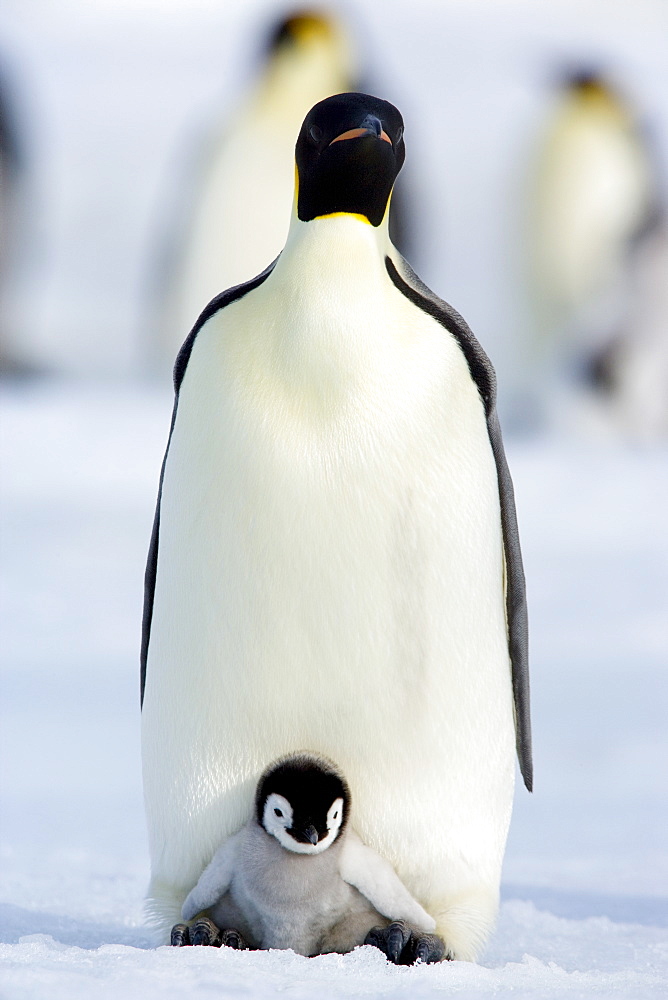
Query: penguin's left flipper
[(378, 882), (404, 946)]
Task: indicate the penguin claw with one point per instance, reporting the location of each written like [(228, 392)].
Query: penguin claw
[(397, 938), (391, 940), (231, 938), (180, 936), (204, 932), (402, 946), (428, 948)]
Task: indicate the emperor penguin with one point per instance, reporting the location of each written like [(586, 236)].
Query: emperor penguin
[(335, 559), (593, 206), (14, 359), (295, 876), (239, 212)]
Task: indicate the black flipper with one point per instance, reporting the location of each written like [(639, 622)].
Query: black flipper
[(220, 301), (484, 376)]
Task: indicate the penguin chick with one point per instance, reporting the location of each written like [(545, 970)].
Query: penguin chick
[(296, 876)]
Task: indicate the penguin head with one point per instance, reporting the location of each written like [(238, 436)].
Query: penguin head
[(317, 40), (349, 152), (301, 28), (303, 801), (588, 88)]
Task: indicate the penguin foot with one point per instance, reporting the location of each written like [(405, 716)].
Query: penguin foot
[(180, 936), (427, 948), (231, 938), (205, 932), (403, 946)]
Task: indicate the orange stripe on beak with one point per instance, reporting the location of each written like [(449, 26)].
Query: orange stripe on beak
[(353, 133)]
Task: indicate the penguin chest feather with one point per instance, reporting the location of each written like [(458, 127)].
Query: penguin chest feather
[(291, 901), (330, 566)]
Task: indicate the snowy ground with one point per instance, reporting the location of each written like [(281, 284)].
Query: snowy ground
[(585, 909)]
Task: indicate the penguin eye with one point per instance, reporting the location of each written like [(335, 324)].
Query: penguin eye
[(400, 132), (315, 133), (277, 812), (336, 815)]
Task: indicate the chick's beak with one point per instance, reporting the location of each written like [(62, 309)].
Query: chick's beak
[(311, 835)]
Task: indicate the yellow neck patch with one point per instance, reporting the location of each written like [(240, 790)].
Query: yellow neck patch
[(351, 215)]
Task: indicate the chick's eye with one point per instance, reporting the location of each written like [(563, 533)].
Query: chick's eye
[(277, 812), (336, 815)]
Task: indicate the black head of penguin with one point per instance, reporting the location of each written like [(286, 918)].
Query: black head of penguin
[(311, 784), (297, 28), (349, 152)]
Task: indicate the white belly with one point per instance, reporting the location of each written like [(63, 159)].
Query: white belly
[(330, 577)]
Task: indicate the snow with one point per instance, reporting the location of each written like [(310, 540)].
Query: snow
[(119, 970), (585, 893)]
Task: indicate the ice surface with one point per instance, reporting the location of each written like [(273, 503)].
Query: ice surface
[(585, 895)]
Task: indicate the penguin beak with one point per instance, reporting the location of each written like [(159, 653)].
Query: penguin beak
[(370, 126), (309, 835)]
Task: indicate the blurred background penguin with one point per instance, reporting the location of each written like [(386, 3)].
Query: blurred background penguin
[(596, 239), (236, 219), (12, 361)]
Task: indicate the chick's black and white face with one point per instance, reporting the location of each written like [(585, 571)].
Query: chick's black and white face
[(349, 152), (303, 802), (304, 834)]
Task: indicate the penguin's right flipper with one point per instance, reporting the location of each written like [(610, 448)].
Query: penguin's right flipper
[(403, 946)]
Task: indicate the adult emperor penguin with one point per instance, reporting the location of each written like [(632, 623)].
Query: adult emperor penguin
[(335, 561), (13, 355), (593, 207)]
